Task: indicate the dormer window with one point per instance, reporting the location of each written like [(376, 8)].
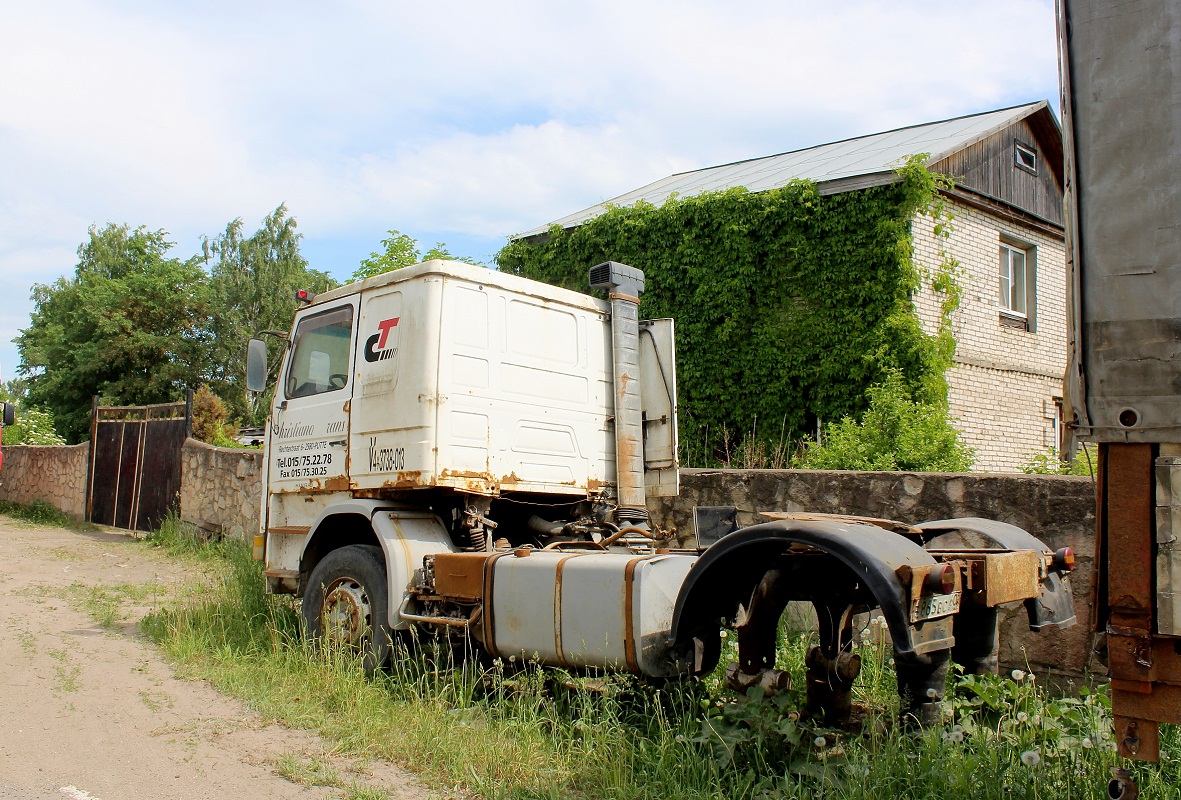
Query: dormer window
[(1025, 157)]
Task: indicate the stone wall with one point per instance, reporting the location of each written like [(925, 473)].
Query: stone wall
[(1059, 510), (221, 488), (56, 475)]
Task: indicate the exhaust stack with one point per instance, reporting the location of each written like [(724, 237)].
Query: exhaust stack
[(624, 285)]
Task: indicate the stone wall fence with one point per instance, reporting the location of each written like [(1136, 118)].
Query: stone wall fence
[(221, 489), (1059, 510), (56, 475)]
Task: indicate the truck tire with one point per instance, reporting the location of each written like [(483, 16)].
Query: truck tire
[(346, 604)]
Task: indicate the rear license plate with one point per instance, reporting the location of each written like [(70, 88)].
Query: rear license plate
[(935, 605)]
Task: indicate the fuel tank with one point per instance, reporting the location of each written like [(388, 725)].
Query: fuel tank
[(586, 609)]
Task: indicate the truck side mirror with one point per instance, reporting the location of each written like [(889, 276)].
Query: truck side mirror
[(9, 414), (256, 365)]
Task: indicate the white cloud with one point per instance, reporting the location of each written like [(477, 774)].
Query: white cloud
[(463, 116)]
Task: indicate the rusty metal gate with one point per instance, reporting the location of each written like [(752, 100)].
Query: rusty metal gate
[(135, 461)]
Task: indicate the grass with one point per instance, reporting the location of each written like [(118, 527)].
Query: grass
[(67, 673), (308, 771), (39, 512), (104, 604), (503, 731)]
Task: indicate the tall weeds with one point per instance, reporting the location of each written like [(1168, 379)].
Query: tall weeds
[(507, 730)]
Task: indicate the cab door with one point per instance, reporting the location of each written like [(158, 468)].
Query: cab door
[(310, 424)]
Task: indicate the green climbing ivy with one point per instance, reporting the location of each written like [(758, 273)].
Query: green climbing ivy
[(789, 304)]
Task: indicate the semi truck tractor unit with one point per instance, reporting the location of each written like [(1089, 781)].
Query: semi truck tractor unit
[(470, 453)]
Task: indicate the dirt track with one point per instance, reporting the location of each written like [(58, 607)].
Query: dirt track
[(88, 711)]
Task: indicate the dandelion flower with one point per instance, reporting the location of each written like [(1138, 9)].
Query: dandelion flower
[(1031, 758), (1022, 716), (931, 692), (1087, 743), (957, 728), (724, 634), (820, 742), (955, 736), (1031, 677), (1018, 675)]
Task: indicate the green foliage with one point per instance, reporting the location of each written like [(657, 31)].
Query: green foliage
[(130, 325), (1048, 462), (895, 433), (788, 304), (253, 280), (211, 419), (401, 250), (32, 426)]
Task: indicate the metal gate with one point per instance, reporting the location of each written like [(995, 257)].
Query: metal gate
[(135, 460)]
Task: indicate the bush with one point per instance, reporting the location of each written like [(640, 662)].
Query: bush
[(211, 419), (1047, 462), (896, 433), (33, 426)]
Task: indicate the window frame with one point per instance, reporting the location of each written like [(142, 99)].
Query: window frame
[(298, 334), (1007, 276), (1018, 148), (1010, 317)]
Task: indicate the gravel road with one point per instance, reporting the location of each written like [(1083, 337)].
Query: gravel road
[(88, 711)]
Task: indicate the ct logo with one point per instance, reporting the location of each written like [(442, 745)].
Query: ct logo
[(375, 345)]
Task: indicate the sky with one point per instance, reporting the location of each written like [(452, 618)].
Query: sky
[(455, 121)]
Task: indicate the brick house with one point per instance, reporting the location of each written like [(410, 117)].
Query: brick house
[(1005, 386)]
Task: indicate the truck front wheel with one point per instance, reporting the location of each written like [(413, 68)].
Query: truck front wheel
[(346, 604)]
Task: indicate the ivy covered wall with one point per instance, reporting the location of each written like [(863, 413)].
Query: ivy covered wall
[(789, 305)]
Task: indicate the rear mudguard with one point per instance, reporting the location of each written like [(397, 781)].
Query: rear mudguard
[(727, 573), (1054, 605)]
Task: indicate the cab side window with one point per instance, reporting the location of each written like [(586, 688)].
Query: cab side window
[(320, 353)]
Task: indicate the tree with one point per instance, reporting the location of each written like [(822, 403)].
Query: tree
[(128, 326), (253, 280), (400, 251)]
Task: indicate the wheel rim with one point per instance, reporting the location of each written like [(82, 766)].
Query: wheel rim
[(346, 616)]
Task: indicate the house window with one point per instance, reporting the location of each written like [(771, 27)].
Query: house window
[(1017, 284), (1025, 157), (1013, 280)]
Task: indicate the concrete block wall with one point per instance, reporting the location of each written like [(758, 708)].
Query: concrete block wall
[(1004, 380), (221, 488), (56, 475), (1060, 510)]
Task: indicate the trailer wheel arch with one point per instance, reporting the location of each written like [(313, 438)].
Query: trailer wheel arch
[(727, 573)]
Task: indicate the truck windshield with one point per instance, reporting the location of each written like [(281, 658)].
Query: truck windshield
[(320, 357)]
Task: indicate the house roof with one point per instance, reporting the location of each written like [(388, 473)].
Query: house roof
[(836, 167)]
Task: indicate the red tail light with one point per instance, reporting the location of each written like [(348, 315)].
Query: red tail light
[(1063, 560), (941, 579)]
